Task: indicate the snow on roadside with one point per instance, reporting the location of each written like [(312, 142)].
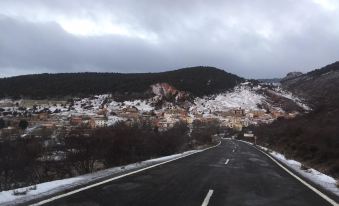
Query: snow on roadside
[(49, 188), (9, 197), (325, 181)]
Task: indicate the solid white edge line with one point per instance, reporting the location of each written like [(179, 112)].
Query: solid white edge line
[(328, 199), (207, 198), (227, 161), (115, 178)]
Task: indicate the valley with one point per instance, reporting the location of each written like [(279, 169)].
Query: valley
[(61, 136)]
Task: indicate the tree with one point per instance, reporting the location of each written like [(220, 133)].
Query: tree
[(2, 123), (23, 124)]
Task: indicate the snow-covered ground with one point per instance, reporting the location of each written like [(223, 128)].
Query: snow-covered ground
[(49, 188), (245, 96), (141, 105), (325, 181), (242, 96), (279, 91)]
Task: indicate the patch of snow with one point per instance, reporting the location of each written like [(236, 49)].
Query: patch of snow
[(140, 105), (49, 188), (242, 97), (279, 91), (9, 198), (112, 120), (323, 180)]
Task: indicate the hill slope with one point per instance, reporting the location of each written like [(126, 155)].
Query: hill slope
[(320, 87), (312, 138), (198, 81)]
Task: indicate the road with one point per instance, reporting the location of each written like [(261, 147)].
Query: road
[(233, 173)]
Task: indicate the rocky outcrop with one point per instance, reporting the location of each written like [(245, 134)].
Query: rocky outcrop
[(291, 75), (168, 92)]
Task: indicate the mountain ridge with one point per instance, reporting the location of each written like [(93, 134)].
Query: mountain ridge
[(319, 87), (198, 81), (311, 138)]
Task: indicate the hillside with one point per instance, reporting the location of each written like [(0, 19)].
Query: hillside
[(312, 138), (319, 87), (198, 81)]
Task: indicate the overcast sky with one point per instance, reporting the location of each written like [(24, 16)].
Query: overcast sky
[(250, 38)]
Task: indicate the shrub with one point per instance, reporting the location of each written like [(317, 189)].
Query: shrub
[(304, 167)]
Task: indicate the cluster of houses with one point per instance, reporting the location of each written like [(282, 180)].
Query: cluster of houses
[(239, 118), (162, 119), (236, 118), (88, 121)]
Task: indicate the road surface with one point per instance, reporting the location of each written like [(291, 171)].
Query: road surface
[(233, 173)]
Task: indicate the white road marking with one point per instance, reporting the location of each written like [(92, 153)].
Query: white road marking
[(233, 150), (207, 198), (332, 202), (114, 178), (227, 161)]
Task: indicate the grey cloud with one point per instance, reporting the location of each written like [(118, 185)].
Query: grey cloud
[(254, 39)]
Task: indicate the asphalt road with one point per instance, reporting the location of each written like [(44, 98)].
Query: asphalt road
[(233, 173)]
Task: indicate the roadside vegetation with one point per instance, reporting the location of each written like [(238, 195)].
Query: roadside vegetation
[(311, 138), (28, 161)]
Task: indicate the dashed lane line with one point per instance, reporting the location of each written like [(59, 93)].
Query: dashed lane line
[(207, 198)]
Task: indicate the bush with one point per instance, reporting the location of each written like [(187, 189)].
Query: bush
[(203, 131), (304, 167), (311, 138), (122, 144), (18, 162)]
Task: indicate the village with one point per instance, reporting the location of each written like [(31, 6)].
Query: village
[(52, 119)]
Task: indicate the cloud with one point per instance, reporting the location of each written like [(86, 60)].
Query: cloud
[(250, 38)]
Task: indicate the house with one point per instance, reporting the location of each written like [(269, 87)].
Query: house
[(129, 112), (188, 120), (75, 120), (164, 124), (258, 113), (237, 127), (49, 125), (130, 109), (239, 112), (291, 115), (43, 116), (98, 121), (103, 111), (277, 114)]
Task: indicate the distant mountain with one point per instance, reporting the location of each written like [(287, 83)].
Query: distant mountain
[(320, 87), (291, 75), (273, 80), (198, 81)]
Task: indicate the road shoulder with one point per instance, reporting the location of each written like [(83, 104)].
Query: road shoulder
[(329, 196)]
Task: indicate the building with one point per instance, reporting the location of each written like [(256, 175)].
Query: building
[(43, 116), (75, 120), (239, 112), (100, 121)]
